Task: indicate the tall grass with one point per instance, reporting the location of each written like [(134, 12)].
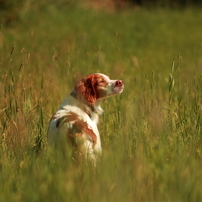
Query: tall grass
[(151, 133)]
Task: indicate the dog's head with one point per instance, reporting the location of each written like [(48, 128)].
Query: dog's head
[(97, 86)]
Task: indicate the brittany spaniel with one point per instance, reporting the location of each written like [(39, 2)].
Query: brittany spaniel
[(77, 117)]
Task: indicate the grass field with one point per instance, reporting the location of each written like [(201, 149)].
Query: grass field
[(151, 133)]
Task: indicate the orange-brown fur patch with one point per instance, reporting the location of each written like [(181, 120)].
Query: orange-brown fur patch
[(68, 118), (78, 127), (82, 126)]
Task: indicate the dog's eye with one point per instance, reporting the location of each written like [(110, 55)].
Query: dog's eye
[(101, 82)]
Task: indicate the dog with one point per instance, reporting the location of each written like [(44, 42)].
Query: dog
[(77, 117)]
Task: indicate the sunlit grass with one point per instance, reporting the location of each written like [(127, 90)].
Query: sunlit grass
[(151, 133)]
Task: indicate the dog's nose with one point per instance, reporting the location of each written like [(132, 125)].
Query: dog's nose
[(119, 83)]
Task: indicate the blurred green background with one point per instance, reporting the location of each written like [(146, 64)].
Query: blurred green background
[(151, 133)]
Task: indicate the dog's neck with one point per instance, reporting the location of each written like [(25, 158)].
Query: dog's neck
[(75, 95), (93, 107)]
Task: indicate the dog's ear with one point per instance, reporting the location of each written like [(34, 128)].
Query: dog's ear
[(86, 89)]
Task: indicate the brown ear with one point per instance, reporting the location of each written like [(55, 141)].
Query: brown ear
[(85, 88)]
